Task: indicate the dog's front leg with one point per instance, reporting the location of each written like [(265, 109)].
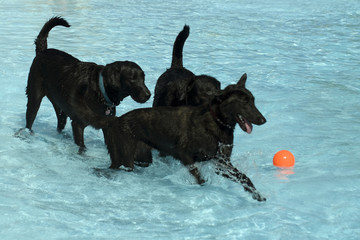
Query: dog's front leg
[(195, 172), (189, 163), (78, 133), (226, 169)]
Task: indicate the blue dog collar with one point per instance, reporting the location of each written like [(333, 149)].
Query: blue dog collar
[(109, 103)]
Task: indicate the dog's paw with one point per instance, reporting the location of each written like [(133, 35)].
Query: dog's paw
[(258, 197), (24, 133), (121, 167), (201, 182), (142, 164), (82, 150)]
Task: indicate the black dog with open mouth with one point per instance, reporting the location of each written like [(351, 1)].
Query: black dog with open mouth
[(189, 133)]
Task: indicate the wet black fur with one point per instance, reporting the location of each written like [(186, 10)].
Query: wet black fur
[(178, 86), (72, 86), (188, 133)]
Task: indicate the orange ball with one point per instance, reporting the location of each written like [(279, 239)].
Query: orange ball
[(284, 158)]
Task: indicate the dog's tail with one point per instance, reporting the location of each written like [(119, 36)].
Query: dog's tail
[(41, 40), (178, 47)]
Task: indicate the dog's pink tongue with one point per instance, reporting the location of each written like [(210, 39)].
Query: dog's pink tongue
[(248, 126)]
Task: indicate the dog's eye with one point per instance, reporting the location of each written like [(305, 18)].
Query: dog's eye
[(210, 92), (247, 99), (137, 75)]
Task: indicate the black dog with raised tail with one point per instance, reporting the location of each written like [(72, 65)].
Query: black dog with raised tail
[(86, 92), (189, 133)]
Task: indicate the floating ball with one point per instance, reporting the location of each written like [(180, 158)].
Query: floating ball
[(284, 158)]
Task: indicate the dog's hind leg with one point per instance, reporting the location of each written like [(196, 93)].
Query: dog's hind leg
[(61, 117), (195, 172), (121, 147), (226, 169), (78, 133), (35, 95), (143, 156), (33, 106)]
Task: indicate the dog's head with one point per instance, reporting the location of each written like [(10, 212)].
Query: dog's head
[(196, 90), (200, 90), (123, 79), (236, 104)]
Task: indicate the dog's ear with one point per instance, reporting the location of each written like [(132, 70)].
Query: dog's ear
[(242, 80), (111, 72)]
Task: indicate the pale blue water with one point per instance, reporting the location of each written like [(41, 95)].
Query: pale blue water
[(302, 59)]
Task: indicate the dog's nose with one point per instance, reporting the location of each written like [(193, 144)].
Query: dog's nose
[(147, 94), (262, 120)]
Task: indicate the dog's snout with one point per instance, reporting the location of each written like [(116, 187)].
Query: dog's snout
[(262, 120), (144, 95), (259, 120), (147, 93)]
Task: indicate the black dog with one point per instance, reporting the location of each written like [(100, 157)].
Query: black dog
[(84, 91), (189, 133), (178, 86)]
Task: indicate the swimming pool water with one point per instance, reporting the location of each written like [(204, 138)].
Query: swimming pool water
[(302, 60)]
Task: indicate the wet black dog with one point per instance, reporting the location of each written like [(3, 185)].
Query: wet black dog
[(189, 133), (178, 86), (84, 91)]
